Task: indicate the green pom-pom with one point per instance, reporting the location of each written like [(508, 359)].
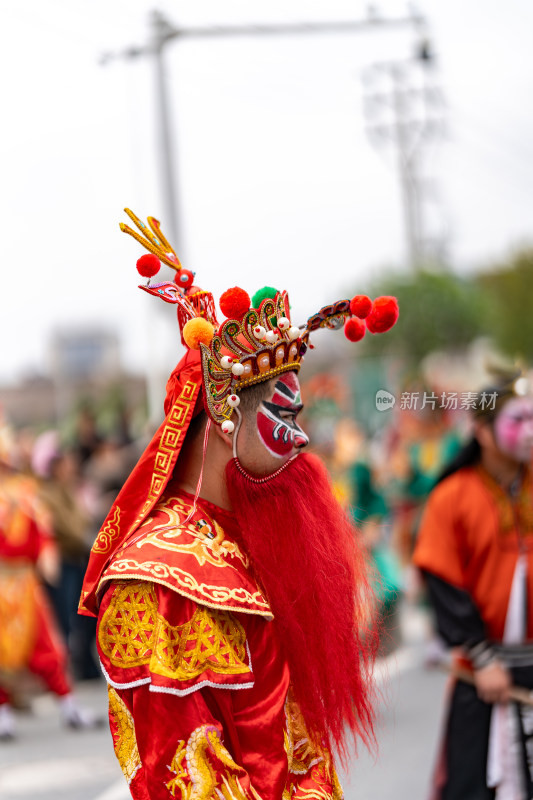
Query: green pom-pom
[(267, 292)]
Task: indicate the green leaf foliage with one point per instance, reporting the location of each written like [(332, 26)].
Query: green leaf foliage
[(438, 311), (508, 288)]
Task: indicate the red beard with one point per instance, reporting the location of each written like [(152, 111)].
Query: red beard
[(307, 558)]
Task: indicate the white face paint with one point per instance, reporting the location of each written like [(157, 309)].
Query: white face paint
[(513, 429)]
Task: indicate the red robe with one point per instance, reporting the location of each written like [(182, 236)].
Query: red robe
[(200, 701), (28, 633)]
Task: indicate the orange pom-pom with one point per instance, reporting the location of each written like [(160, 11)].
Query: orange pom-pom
[(148, 265), (198, 331), (354, 329), (235, 303), (360, 305), (384, 314)]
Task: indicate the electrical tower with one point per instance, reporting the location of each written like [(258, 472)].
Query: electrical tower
[(404, 111)]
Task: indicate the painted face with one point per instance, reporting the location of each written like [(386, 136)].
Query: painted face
[(276, 418), (513, 429)]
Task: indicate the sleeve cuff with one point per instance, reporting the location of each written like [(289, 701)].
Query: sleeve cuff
[(482, 655)]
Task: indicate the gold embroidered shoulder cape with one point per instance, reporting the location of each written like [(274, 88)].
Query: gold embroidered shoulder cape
[(197, 559)]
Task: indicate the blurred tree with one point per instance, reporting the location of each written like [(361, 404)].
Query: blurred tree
[(509, 289), (438, 311)]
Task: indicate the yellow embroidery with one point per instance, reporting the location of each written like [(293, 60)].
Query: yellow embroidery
[(108, 534), (208, 545), (195, 775), (180, 773), (210, 641), (124, 740), (301, 754), (132, 632), (326, 787), (185, 583), (305, 759), (127, 627)]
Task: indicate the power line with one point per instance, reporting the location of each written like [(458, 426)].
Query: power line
[(162, 32)]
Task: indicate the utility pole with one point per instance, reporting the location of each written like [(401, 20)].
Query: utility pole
[(404, 110), (161, 33)]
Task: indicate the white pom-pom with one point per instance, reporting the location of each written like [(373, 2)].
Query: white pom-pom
[(259, 332), (271, 337), (237, 369), (284, 323), (226, 362), (227, 426), (233, 401), (293, 332)]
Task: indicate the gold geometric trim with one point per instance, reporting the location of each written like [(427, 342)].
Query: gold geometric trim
[(125, 633), (132, 633), (168, 444)]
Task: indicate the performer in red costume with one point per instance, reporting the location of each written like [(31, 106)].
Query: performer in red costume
[(230, 587), (29, 638), (475, 549)]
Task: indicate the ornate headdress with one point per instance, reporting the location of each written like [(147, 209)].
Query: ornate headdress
[(257, 340)]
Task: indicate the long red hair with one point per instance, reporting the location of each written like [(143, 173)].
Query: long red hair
[(307, 557)]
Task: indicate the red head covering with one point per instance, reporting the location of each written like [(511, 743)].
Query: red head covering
[(150, 476)]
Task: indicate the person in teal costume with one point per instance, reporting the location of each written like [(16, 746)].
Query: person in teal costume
[(371, 512)]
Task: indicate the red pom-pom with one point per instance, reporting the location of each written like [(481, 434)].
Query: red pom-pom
[(360, 306), (354, 329), (184, 278), (148, 265), (384, 314), (235, 303)]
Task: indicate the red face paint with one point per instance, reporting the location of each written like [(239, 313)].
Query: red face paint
[(276, 418), (513, 429)]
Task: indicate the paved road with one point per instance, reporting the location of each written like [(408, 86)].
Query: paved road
[(409, 726), (48, 762)]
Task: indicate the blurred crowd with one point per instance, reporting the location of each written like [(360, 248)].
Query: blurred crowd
[(384, 477), (65, 489), (54, 496)]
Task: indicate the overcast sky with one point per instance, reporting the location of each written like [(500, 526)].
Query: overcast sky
[(277, 181)]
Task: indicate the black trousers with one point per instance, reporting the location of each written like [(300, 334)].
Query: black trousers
[(467, 742), (466, 746)]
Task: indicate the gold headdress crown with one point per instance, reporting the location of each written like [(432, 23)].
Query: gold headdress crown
[(255, 343)]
